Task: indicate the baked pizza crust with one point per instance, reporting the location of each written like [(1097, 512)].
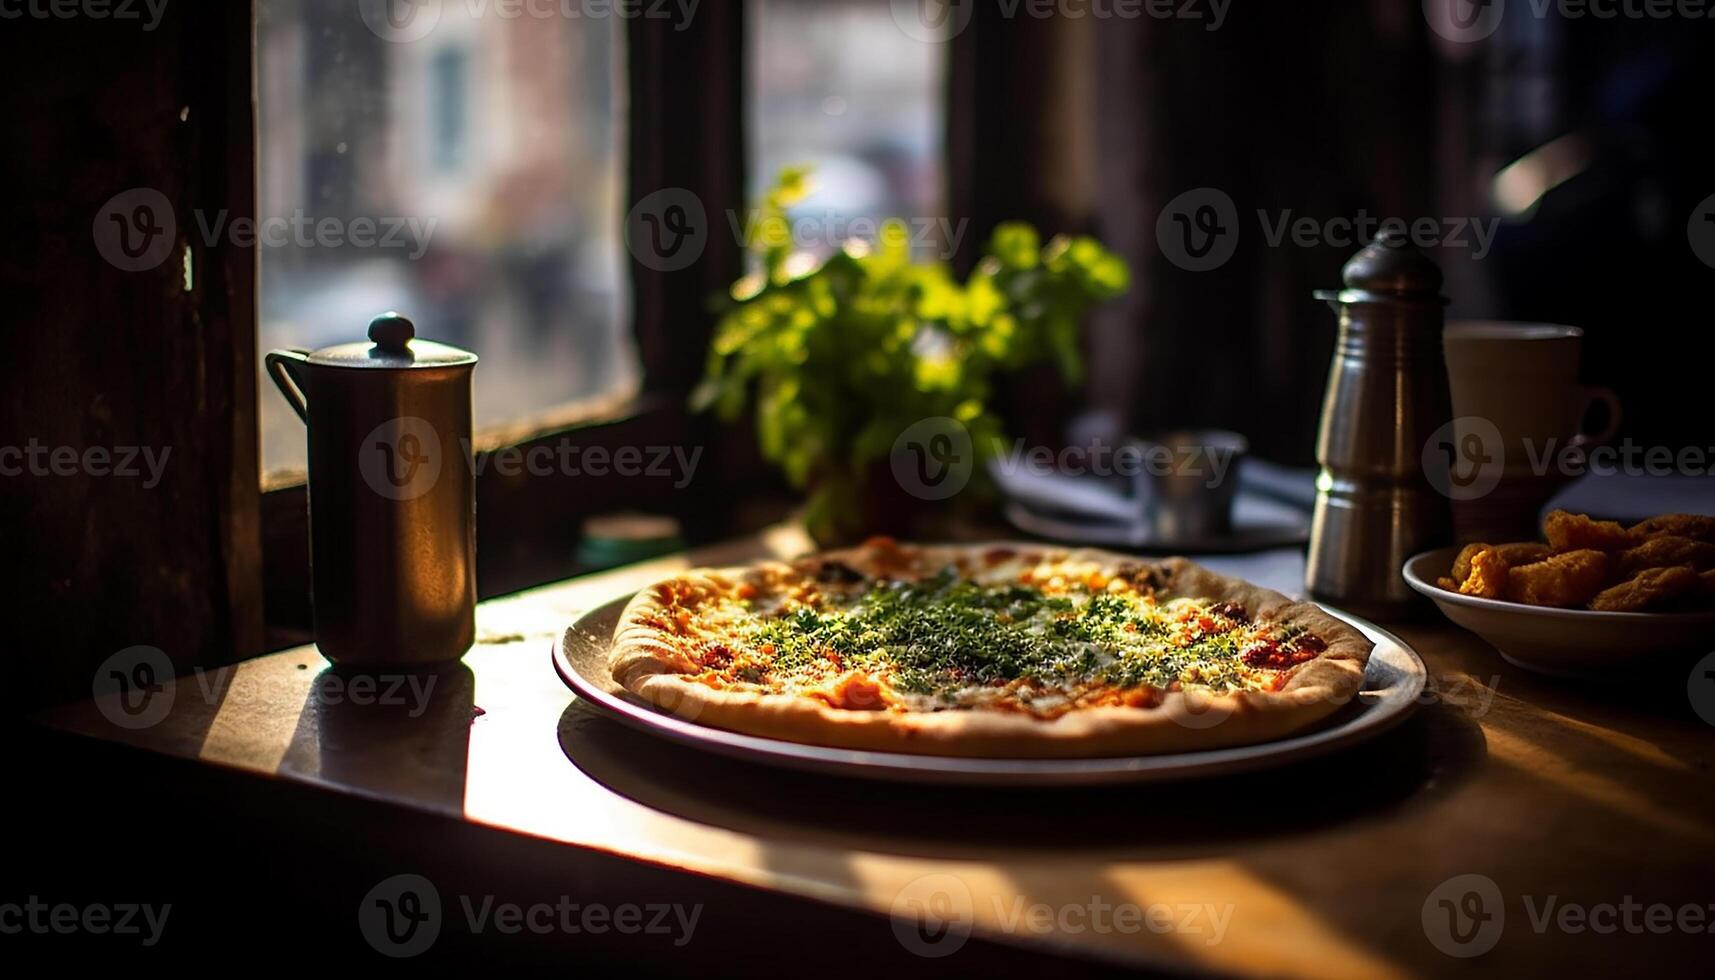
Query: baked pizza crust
[(645, 662)]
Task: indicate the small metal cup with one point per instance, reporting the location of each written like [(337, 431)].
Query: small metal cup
[(1188, 480)]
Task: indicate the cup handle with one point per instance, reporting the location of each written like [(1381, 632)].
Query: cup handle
[(1609, 401), (280, 369)]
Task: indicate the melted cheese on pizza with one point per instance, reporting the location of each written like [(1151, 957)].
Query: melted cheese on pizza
[(1043, 637)]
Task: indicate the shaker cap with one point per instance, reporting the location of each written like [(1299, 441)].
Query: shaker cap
[(392, 345), (1392, 266)]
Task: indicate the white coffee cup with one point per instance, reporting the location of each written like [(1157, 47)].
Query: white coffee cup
[(1518, 409), (1522, 378)]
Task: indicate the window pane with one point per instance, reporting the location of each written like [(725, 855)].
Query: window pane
[(838, 84), (468, 175)]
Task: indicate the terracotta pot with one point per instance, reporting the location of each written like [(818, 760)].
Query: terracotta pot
[(884, 508)]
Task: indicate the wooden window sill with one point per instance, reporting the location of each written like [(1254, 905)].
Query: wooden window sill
[(1543, 787)]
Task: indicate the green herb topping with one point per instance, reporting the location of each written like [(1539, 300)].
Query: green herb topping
[(944, 634)]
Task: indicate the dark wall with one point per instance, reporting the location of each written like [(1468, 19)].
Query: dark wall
[(1333, 110), (117, 342)]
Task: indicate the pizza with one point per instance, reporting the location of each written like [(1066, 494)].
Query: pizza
[(1009, 651)]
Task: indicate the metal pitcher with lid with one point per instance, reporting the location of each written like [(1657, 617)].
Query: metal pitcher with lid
[(392, 494), (1377, 501)]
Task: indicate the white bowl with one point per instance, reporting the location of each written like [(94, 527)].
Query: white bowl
[(1564, 642)]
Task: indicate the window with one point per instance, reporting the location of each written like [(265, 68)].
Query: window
[(839, 85), (468, 175), (448, 99)]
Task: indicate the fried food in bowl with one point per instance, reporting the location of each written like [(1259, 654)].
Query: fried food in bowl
[(1662, 564)]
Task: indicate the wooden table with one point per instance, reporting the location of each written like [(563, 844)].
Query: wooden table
[(1561, 795)]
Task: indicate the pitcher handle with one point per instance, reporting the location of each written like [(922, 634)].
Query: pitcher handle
[(280, 369)]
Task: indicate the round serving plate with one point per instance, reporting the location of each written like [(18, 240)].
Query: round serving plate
[(1393, 680)]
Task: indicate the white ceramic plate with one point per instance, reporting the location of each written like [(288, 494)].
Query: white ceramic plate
[(1393, 680), (1563, 642)]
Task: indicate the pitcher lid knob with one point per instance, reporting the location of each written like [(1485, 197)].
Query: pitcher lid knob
[(392, 346), (392, 333)]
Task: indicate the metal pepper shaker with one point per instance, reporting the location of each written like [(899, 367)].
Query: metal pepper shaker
[(1376, 499), (392, 494)]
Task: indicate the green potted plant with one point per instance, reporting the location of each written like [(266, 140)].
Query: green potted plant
[(839, 357)]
